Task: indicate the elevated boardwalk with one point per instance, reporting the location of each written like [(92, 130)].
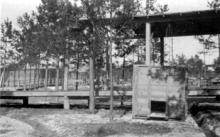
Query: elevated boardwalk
[(67, 95)]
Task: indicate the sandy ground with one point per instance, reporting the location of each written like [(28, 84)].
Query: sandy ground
[(39, 122)]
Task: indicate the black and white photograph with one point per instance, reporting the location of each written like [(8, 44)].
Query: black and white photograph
[(109, 68)]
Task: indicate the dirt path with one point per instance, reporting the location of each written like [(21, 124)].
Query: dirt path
[(79, 123)]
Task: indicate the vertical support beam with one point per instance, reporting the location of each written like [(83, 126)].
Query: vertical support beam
[(219, 45), (66, 103), (161, 51), (148, 44), (25, 101)]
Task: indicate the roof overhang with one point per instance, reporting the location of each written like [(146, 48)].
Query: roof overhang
[(180, 24)]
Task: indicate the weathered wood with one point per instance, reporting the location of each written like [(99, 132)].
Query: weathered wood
[(66, 102), (148, 43), (36, 93)]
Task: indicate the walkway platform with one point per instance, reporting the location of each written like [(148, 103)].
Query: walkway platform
[(24, 95)]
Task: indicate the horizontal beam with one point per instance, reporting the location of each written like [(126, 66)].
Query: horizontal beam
[(55, 93)]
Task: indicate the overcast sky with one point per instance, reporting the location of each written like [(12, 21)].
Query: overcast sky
[(182, 45)]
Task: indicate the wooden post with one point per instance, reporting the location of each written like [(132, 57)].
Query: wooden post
[(25, 101), (148, 44), (66, 103), (161, 51), (91, 79)]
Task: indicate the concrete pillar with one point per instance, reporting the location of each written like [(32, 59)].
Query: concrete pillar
[(66, 103), (148, 44)]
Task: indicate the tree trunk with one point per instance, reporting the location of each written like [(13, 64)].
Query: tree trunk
[(38, 75), (34, 77), (9, 77), (46, 76), (111, 82), (57, 75), (66, 69), (161, 51), (30, 77), (91, 80), (19, 77), (123, 69), (49, 78), (25, 74), (2, 77), (14, 83), (107, 68), (219, 45), (77, 72), (65, 82)]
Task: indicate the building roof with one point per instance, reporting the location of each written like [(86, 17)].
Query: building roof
[(180, 24)]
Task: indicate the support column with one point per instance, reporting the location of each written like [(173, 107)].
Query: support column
[(148, 44), (25, 101), (66, 103), (219, 45), (161, 51)]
